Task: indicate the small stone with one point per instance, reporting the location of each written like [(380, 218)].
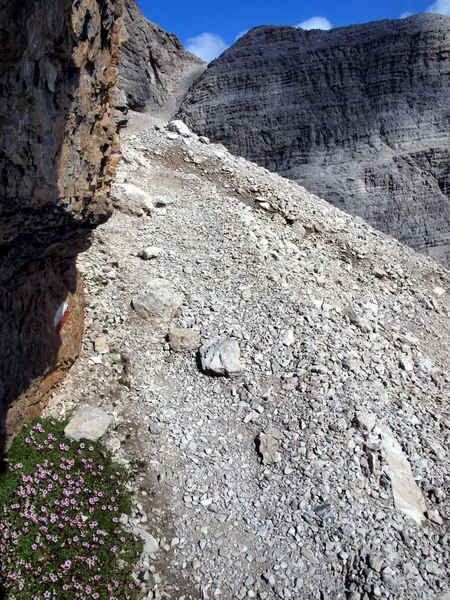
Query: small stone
[(88, 423), (288, 337), (298, 230), (269, 578), (172, 135), (356, 320), (151, 546), (438, 291), (365, 420), (221, 356), (434, 517), (150, 252), (184, 340), (407, 495), (380, 273), (202, 544), (203, 139), (268, 447), (161, 201), (101, 345), (154, 429), (376, 562)]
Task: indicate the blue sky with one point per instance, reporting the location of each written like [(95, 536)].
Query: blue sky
[(207, 29)]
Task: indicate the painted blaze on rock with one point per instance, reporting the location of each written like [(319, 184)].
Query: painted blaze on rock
[(59, 151)]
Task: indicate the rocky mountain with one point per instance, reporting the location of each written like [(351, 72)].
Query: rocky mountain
[(358, 115), (59, 149), (155, 70)]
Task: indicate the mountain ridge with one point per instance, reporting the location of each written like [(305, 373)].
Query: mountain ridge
[(358, 115)]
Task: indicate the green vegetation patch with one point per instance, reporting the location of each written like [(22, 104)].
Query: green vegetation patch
[(60, 532)]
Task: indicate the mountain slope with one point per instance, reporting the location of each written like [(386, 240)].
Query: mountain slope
[(358, 115), (343, 338), (155, 70)]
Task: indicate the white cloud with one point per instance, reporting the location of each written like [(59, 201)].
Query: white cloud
[(442, 7), (240, 34), (206, 46), (316, 23), (406, 14)]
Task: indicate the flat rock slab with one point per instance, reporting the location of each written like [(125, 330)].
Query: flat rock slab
[(221, 356), (158, 303), (407, 496), (183, 340), (88, 423)]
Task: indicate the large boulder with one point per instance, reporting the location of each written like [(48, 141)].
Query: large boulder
[(59, 151)]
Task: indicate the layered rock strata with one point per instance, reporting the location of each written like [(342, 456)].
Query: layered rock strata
[(358, 115), (59, 149), (155, 70)]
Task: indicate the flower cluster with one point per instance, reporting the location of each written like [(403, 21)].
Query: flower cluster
[(60, 535)]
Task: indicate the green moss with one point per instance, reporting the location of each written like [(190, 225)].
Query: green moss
[(60, 535)]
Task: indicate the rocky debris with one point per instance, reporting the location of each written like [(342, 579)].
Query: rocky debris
[(221, 356), (88, 423), (180, 128), (343, 124), (407, 495), (183, 340), (155, 70), (150, 252), (322, 521), (131, 200), (158, 302), (60, 150)]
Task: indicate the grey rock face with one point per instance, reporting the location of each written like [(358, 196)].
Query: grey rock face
[(358, 115), (155, 70)]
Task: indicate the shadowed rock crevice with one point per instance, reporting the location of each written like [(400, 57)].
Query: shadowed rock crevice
[(59, 150)]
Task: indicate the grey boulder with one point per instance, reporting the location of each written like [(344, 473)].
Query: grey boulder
[(89, 423), (221, 356), (158, 303)]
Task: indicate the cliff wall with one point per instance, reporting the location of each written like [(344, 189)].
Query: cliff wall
[(59, 148)]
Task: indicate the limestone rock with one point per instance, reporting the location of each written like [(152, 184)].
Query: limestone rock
[(89, 423), (221, 356), (131, 200), (151, 545), (407, 496), (179, 127), (60, 149), (155, 69), (357, 115), (150, 252), (183, 340), (269, 449), (158, 303)]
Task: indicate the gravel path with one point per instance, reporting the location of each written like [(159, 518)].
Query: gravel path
[(320, 472)]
